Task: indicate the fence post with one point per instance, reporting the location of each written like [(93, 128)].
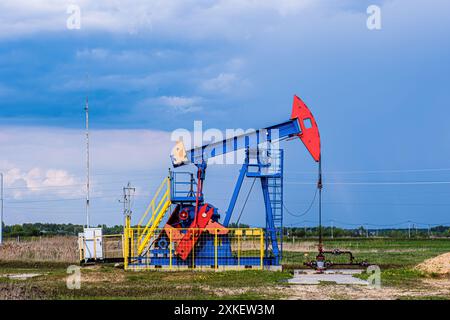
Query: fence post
[(193, 249), (125, 249), (170, 249), (216, 265), (239, 247), (261, 249), (148, 258)]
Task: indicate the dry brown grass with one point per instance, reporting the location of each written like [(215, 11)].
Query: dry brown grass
[(54, 249), (20, 291)]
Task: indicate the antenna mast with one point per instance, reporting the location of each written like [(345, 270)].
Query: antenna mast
[(87, 162)]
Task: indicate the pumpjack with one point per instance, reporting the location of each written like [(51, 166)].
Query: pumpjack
[(194, 233)]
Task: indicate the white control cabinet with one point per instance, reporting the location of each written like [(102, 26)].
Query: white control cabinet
[(91, 243)]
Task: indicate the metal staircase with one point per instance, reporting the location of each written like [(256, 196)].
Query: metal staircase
[(267, 164), (155, 212), (275, 188)]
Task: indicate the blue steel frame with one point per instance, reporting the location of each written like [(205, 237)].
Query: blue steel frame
[(271, 230)]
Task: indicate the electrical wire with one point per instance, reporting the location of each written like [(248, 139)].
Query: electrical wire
[(376, 183), (245, 202), (306, 211)]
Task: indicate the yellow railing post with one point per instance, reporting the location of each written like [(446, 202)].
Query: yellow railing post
[(216, 265), (261, 249), (125, 249), (170, 249), (239, 248), (132, 243), (168, 185), (193, 250), (147, 258)]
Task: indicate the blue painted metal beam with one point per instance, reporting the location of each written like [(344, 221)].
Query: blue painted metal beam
[(247, 140), (235, 196)]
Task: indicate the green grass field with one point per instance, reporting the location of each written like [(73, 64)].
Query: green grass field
[(396, 259), (385, 253)]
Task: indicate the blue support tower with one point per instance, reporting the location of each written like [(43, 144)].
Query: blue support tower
[(266, 165)]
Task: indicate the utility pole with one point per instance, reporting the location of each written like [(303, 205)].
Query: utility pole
[(86, 109), (409, 229), (128, 192), (332, 226), (1, 214)]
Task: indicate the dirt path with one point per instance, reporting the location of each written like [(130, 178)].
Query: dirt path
[(425, 289)]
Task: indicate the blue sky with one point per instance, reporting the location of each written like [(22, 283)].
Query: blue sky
[(380, 98)]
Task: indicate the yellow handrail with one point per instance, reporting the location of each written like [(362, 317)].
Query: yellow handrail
[(155, 213), (151, 205), (156, 217), (154, 226)]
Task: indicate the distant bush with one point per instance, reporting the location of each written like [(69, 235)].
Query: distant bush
[(51, 229)]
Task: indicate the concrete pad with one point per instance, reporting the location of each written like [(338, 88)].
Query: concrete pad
[(338, 276), (21, 276)]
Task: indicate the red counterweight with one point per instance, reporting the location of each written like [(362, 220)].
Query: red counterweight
[(194, 232)]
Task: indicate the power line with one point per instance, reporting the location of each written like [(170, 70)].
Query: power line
[(376, 183), (376, 171), (56, 199), (372, 224)]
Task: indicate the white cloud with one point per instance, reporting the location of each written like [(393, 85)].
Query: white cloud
[(178, 104), (44, 166), (224, 83), (37, 181), (21, 17), (50, 157), (181, 104), (232, 19)]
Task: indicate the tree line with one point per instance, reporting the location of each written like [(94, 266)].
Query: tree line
[(50, 229)]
